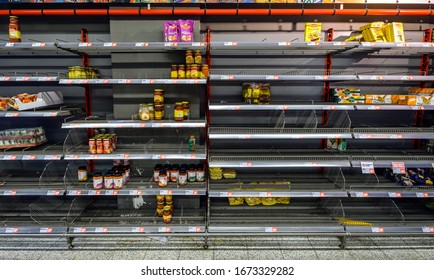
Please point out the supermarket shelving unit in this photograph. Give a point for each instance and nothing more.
(282, 155)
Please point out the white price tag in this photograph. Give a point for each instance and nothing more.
(367, 167)
(226, 77)
(406, 78)
(230, 43)
(110, 44)
(29, 157)
(422, 195)
(53, 193)
(10, 157)
(329, 107)
(362, 194)
(122, 81)
(395, 194)
(138, 229)
(10, 45)
(109, 192)
(246, 164)
(42, 79)
(375, 77)
(283, 43)
(377, 230)
(318, 194)
(133, 192)
(321, 78)
(170, 44)
(272, 77)
(191, 192)
(265, 194)
(11, 230)
(163, 229)
(196, 44)
(85, 44)
(12, 192)
(141, 44)
(101, 229)
(398, 167)
(49, 114)
(38, 44)
(79, 230)
(312, 43)
(193, 229)
(45, 230)
(428, 229)
(271, 229)
(225, 194)
(166, 192)
(12, 115)
(374, 107)
(93, 192)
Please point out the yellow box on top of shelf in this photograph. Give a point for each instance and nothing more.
(312, 32)
(394, 32)
(373, 35)
(375, 24)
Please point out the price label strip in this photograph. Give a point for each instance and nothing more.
(367, 167)
(398, 167)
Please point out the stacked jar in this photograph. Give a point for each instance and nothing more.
(192, 69)
(158, 104)
(116, 178)
(102, 144)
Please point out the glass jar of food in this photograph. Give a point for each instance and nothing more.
(108, 181)
(178, 113)
(186, 109)
(181, 72)
(198, 57)
(160, 199)
(118, 180)
(14, 29)
(167, 215)
(82, 174)
(158, 97)
(144, 112)
(192, 143)
(162, 179)
(191, 173)
(99, 145)
(174, 173)
(174, 72)
(188, 72)
(205, 70)
(168, 199)
(189, 59)
(183, 177)
(97, 181)
(170, 205)
(194, 72)
(200, 173)
(160, 209)
(264, 94)
(151, 111)
(159, 112)
(92, 146)
(107, 145)
(157, 169)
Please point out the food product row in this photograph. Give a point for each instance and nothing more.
(155, 111)
(256, 93)
(103, 144)
(253, 201)
(165, 208)
(415, 96)
(22, 137)
(26, 101)
(411, 177)
(379, 32)
(80, 72)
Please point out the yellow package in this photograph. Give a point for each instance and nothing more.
(312, 32)
(268, 201)
(411, 100)
(375, 24)
(235, 201)
(355, 38)
(424, 100)
(378, 99)
(373, 35)
(394, 32)
(423, 91)
(282, 200)
(399, 99)
(252, 201)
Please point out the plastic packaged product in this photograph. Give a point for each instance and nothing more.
(235, 201)
(82, 174)
(252, 201)
(4, 103)
(186, 29)
(282, 200)
(268, 201)
(97, 181)
(144, 112)
(171, 33)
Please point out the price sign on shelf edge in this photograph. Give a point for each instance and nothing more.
(367, 167)
(398, 167)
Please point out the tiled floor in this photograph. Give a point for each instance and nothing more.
(240, 248)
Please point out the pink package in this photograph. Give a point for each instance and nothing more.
(170, 29)
(186, 28)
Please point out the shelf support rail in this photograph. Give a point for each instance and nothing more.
(399, 211)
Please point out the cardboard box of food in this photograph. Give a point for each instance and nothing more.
(378, 99)
(424, 100)
(394, 32)
(347, 95)
(375, 24)
(312, 32)
(421, 91)
(26, 101)
(399, 99)
(337, 144)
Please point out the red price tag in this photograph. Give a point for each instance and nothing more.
(398, 167)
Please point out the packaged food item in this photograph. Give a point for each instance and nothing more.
(97, 181)
(14, 29)
(424, 100)
(178, 112)
(4, 101)
(417, 91)
(160, 198)
(186, 109)
(375, 24)
(171, 33)
(186, 29)
(355, 38)
(312, 32)
(144, 112)
(22, 137)
(411, 99)
(337, 144)
(229, 174)
(192, 143)
(158, 96)
(174, 72)
(189, 58)
(399, 99)
(347, 95)
(118, 180)
(200, 173)
(373, 32)
(205, 71)
(183, 177)
(378, 99)
(268, 201)
(265, 94)
(194, 71)
(168, 199)
(282, 200)
(252, 201)
(82, 174)
(394, 32)
(235, 201)
(191, 173)
(188, 72)
(215, 173)
(109, 181)
(160, 209)
(198, 57)
(181, 72)
(167, 215)
(174, 173)
(162, 179)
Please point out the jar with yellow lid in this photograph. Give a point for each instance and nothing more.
(194, 71)
(198, 57)
(205, 70)
(188, 72)
(144, 112)
(159, 112)
(186, 109)
(158, 97)
(181, 72)
(189, 59)
(167, 215)
(174, 72)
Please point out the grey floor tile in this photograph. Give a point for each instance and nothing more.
(275, 254)
(231, 255)
(332, 254)
(374, 254)
(162, 255)
(17, 255)
(426, 254)
(299, 255)
(196, 255)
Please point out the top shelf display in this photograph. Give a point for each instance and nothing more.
(308, 48)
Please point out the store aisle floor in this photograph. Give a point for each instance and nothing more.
(272, 248)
